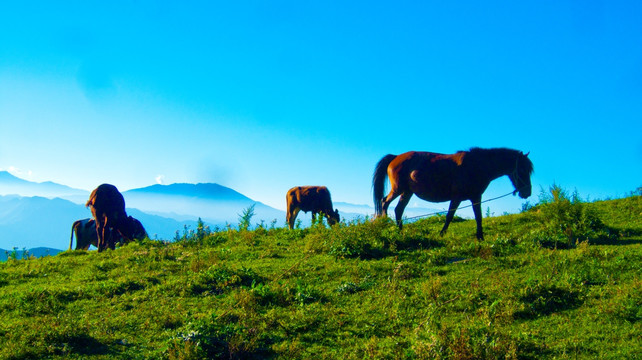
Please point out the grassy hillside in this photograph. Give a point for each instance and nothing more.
(535, 288)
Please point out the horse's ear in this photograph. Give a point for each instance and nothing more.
(527, 154)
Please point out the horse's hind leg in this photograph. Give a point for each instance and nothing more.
(401, 206)
(392, 195)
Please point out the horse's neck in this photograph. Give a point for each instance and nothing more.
(497, 169)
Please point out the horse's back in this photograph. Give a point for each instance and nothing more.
(431, 176)
(309, 198)
(426, 163)
(426, 157)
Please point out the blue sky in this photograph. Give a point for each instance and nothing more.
(261, 96)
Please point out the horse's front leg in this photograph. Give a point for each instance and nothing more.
(112, 238)
(478, 217)
(291, 216)
(108, 233)
(100, 227)
(454, 204)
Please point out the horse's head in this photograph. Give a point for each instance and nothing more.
(333, 217)
(521, 176)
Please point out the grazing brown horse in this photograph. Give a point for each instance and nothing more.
(434, 177)
(310, 198)
(108, 208)
(86, 233)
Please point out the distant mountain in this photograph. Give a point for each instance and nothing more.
(20, 253)
(30, 222)
(361, 210)
(213, 203)
(11, 185)
(368, 210)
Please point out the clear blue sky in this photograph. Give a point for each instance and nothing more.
(264, 95)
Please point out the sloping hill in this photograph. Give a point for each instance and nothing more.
(360, 291)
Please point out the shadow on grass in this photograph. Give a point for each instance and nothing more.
(610, 236)
(85, 345)
(66, 345)
(543, 301)
(414, 243)
(626, 236)
(408, 244)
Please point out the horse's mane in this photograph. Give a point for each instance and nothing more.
(507, 153)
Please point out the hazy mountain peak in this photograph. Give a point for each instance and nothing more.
(201, 190)
(6, 176)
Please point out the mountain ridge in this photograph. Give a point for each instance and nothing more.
(13, 185)
(41, 214)
(37, 252)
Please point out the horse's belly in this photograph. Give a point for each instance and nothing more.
(433, 197)
(432, 188)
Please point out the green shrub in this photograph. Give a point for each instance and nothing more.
(567, 220)
(218, 278)
(245, 218)
(217, 337)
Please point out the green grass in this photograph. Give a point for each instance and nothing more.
(533, 289)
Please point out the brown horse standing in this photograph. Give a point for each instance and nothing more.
(434, 177)
(108, 208)
(310, 198)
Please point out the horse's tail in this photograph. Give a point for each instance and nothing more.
(71, 239)
(379, 182)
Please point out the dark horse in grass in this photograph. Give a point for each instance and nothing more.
(434, 177)
(86, 233)
(108, 208)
